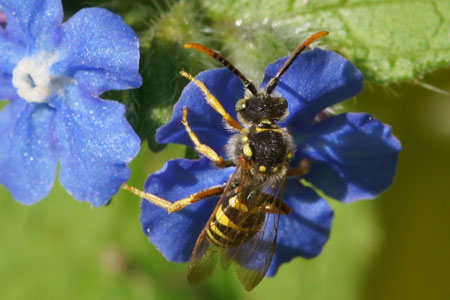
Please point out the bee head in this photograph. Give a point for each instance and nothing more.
(255, 109)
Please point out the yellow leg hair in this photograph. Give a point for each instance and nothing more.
(179, 204)
(213, 102)
(202, 148)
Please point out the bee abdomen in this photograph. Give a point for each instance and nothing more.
(234, 225)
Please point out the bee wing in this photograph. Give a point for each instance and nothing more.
(253, 258)
(203, 261)
(204, 256)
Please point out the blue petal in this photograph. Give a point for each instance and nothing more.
(27, 156)
(203, 119)
(11, 52)
(316, 80)
(354, 156)
(306, 229)
(35, 22)
(96, 143)
(175, 234)
(7, 90)
(100, 51)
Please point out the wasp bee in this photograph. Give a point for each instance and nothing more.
(243, 227)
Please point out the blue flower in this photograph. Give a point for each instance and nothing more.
(353, 156)
(53, 74)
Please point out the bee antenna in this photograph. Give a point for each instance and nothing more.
(248, 85)
(274, 81)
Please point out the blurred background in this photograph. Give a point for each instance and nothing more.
(394, 247)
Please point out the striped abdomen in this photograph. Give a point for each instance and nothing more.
(234, 225)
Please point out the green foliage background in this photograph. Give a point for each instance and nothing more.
(395, 247)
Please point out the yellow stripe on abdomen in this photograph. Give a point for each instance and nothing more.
(235, 203)
(222, 218)
(217, 231)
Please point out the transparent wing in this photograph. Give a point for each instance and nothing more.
(203, 261)
(253, 257)
(205, 254)
(248, 235)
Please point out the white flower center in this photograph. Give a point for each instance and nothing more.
(32, 77)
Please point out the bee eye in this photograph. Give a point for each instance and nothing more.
(283, 103)
(241, 104)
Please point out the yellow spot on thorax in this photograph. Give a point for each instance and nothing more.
(247, 150)
(290, 155)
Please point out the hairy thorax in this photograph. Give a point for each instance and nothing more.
(267, 148)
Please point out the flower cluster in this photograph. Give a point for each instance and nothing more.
(53, 74)
(353, 156)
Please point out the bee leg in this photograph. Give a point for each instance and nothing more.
(202, 148)
(215, 104)
(178, 205)
(182, 203)
(278, 207)
(301, 170)
(150, 197)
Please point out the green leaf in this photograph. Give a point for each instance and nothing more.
(163, 28)
(390, 41)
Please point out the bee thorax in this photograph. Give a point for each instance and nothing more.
(268, 149)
